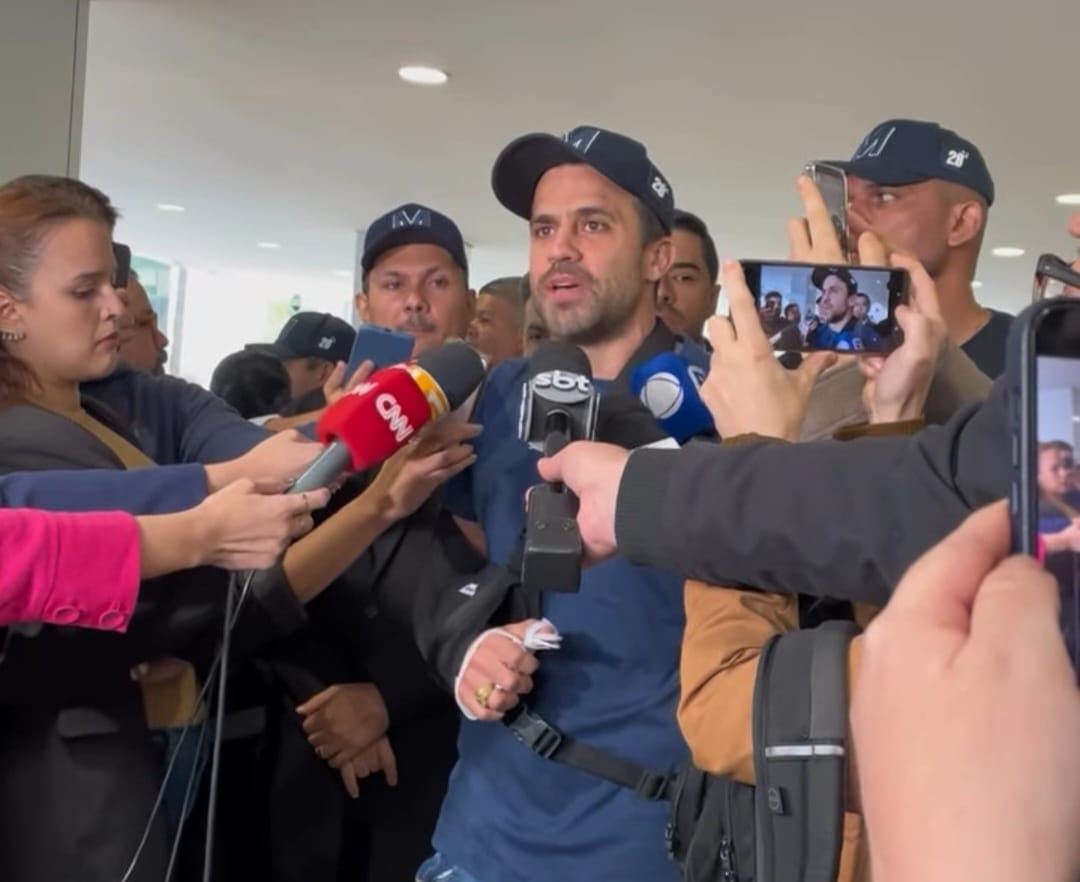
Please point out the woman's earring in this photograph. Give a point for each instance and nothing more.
(12, 336)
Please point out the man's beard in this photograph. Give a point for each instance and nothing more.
(607, 309)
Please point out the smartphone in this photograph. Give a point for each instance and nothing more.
(122, 255)
(383, 346)
(1044, 371)
(832, 182)
(806, 307)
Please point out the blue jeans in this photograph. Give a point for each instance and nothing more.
(438, 869)
(191, 762)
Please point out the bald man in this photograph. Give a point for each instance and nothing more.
(927, 191)
(142, 344)
(496, 326)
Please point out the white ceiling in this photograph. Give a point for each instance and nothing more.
(284, 120)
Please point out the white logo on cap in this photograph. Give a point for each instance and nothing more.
(660, 187)
(419, 218)
(581, 142)
(873, 145)
(957, 158)
(327, 342)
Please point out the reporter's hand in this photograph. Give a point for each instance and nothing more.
(409, 477)
(276, 462)
(747, 389)
(593, 472)
(377, 758)
(897, 384)
(335, 386)
(243, 529)
(498, 671)
(344, 720)
(966, 718)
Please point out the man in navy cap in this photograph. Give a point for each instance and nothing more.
(600, 216)
(310, 345)
(927, 191)
(416, 276)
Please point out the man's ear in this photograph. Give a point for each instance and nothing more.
(363, 309)
(659, 256)
(966, 222)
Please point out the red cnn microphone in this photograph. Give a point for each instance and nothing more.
(376, 419)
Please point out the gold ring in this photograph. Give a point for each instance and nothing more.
(482, 694)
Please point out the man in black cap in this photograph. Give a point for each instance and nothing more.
(837, 326)
(416, 276)
(927, 191)
(310, 346)
(600, 216)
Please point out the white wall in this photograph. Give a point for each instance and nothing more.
(42, 71)
(226, 309)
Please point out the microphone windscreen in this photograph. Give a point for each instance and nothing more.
(378, 418)
(666, 385)
(558, 356)
(456, 368)
(625, 421)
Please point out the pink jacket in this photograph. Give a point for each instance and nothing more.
(68, 569)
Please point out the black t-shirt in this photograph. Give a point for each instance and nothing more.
(987, 347)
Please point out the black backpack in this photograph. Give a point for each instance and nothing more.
(787, 828)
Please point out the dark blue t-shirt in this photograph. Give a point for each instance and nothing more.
(854, 336)
(509, 815)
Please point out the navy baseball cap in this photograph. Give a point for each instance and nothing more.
(821, 273)
(312, 335)
(413, 224)
(908, 151)
(618, 158)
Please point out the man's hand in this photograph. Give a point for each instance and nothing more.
(242, 529)
(966, 718)
(496, 673)
(897, 385)
(812, 238)
(411, 475)
(275, 463)
(335, 386)
(747, 389)
(343, 721)
(377, 758)
(593, 472)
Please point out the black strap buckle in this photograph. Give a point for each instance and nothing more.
(653, 786)
(536, 734)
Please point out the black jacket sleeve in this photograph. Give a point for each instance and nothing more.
(826, 518)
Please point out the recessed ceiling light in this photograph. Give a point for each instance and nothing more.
(170, 206)
(269, 246)
(1008, 251)
(422, 75)
(976, 284)
(1068, 199)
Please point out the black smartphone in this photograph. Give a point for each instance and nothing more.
(122, 255)
(806, 307)
(1044, 369)
(832, 183)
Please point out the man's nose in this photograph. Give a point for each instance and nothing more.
(415, 301)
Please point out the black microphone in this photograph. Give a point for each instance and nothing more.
(558, 405)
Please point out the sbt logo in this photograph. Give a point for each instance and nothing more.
(389, 409)
(565, 386)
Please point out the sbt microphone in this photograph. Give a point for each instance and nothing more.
(558, 406)
(376, 419)
(667, 385)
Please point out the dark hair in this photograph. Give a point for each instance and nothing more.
(691, 223)
(254, 383)
(864, 296)
(507, 289)
(651, 228)
(29, 208)
(775, 294)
